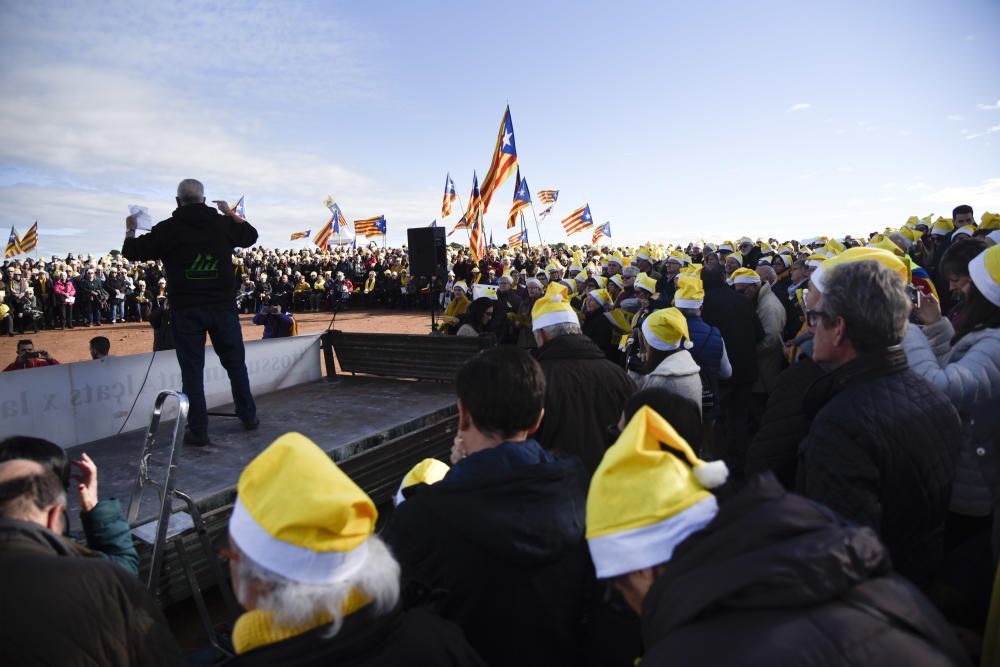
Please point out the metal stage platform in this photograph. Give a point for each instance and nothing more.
(375, 428)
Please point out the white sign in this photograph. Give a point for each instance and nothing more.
(71, 404)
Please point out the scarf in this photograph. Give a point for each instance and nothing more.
(257, 628)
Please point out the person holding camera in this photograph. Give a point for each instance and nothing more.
(276, 323)
(27, 357)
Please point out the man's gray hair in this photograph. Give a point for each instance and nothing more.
(556, 330)
(871, 299)
(190, 191)
(295, 604)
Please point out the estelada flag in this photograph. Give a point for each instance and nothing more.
(603, 230)
(504, 160)
(13, 244)
(519, 239)
(30, 239)
(548, 196)
(370, 226)
(578, 220)
(300, 235)
(322, 237)
(522, 199)
(449, 196)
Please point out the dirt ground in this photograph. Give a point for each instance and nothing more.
(68, 346)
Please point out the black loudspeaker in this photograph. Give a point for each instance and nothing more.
(428, 252)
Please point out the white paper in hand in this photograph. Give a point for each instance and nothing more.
(141, 216)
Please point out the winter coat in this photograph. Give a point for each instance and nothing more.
(598, 328)
(62, 608)
(108, 535)
(502, 538)
(784, 424)
(584, 393)
(415, 637)
(678, 374)
(969, 374)
(771, 350)
(737, 321)
(881, 451)
(63, 289)
(196, 246)
(777, 580)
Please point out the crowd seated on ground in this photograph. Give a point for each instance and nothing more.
(742, 453)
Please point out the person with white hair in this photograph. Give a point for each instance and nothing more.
(318, 587)
(196, 245)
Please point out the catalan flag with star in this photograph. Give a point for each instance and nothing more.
(300, 235)
(339, 222)
(13, 244)
(324, 235)
(475, 204)
(504, 160)
(239, 209)
(518, 240)
(548, 196)
(578, 220)
(30, 239)
(370, 226)
(449, 196)
(522, 199)
(603, 230)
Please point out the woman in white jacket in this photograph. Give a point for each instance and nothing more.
(965, 365)
(665, 343)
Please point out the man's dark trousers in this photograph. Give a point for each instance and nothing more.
(222, 324)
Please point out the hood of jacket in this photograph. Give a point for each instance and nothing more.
(17, 535)
(195, 215)
(680, 363)
(515, 501)
(765, 549)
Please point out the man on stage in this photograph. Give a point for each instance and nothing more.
(196, 245)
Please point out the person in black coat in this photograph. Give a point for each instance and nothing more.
(736, 319)
(775, 579)
(501, 536)
(584, 394)
(883, 443)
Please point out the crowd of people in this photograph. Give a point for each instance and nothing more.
(751, 452)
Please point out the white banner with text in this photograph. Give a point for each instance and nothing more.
(71, 404)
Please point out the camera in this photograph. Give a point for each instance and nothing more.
(34, 355)
(914, 295)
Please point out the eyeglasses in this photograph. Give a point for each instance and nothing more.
(812, 316)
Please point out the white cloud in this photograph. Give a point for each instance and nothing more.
(980, 197)
(989, 107)
(799, 106)
(987, 131)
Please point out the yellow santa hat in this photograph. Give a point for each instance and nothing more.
(726, 245)
(617, 259)
(943, 227)
(298, 515)
(910, 234)
(816, 259)
(744, 277)
(645, 283)
(990, 221)
(462, 285)
(690, 292)
(649, 494)
(601, 296)
(867, 254)
(644, 253)
(984, 269)
(617, 281)
(619, 320)
(735, 256)
(553, 308)
(666, 329)
(967, 230)
(428, 471)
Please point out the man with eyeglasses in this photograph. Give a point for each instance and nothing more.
(883, 442)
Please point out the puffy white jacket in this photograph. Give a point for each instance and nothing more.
(968, 373)
(678, 374)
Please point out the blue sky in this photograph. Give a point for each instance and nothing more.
(675, 121)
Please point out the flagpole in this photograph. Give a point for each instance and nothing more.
(537, 228)
(462, 206)
(524, 229)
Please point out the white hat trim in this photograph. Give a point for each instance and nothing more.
(985, 283)
(962, 231)
(658, 343)
(553, 318)
(631, 550)
(595, 295)
(814, 263)
(290, 560)
(688, 303)
(937, 231)
(746, 280)
(816, 279)
(994, 236)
